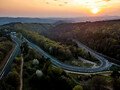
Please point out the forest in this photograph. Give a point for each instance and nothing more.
(39, 73)
(102, 36)
(59, 50)
(5, 47)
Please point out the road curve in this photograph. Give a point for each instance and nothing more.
(71, 68)
(104, 62)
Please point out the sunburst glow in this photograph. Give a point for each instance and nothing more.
(95, 10)
(93, 5)
(59, 8)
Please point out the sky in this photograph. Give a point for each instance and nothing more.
(59, 8)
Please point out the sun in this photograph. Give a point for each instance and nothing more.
(95, 10)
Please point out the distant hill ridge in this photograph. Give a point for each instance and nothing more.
(6, 20)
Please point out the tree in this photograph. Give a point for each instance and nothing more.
(115, 80)
(46, 66)
(39, 73)
(35, 62)
(98, 83)
(115, 74)
(24, 48)
(116, 84)
(13, 79)
(78, 87)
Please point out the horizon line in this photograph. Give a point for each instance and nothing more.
(58, 16)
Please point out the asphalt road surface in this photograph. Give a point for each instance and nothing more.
(104, 63)
(9, 62)
(103, 66)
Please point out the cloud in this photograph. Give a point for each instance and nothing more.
(106, 0)
(66, 2)
(100, 1)
(60, 5)
(47, 3)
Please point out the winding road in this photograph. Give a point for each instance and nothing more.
(104, 63)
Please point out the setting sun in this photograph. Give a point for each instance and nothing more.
(95, 10)
(59, 8)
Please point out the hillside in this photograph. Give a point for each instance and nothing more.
(56, 40)
(102, 36)
(5, 49)
(6, 20)
(39, 27)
